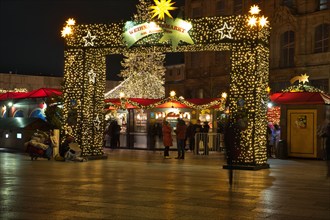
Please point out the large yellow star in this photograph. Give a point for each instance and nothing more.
(161, 8)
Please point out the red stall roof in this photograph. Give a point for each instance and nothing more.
(38, 93)
(302, 98)
(12, 95)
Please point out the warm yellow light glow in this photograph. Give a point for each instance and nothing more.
(254, 10)
(161, 8)
(224, 95)
(172, 93)
(66, 31)
(252, 21)
(121, 95)
(263, 21)
(268, 89)
(70, 22)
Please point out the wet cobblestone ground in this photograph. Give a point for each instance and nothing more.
(136, 184)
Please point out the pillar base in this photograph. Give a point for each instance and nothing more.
(245, 167)
(98, 157)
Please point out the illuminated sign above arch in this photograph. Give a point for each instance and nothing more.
(174, 30)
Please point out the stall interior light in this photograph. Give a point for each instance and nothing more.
(269, 104)
(7, 135)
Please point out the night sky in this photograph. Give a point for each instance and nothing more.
(30, 38)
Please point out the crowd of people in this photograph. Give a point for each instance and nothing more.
(184, 134)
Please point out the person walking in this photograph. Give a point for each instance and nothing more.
(181, 129)
(270, 143)
(167, 138)
(190, 136)
(198, 130)
(114, 132)
(205, 131)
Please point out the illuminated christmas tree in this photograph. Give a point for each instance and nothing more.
(143, 72)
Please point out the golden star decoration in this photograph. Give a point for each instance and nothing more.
(161, 8)
(304, 78)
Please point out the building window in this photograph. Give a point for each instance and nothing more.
(287, 49)
(322, 38)
(322, 84)
(197, 12)
(238, 7)
(288, 3)
(324, 4)
(200, 93)
(195, 59)
(256, 2)
(220, 7)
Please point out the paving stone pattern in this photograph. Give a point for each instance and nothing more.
(138, 184)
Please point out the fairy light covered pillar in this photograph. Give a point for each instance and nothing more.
(248, 95)
(83, 89)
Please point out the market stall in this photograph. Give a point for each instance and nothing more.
(144, 117)
(301, 111)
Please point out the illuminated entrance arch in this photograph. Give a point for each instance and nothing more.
(85, 75)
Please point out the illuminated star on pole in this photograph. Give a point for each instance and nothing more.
(97, 122)
(161, 8)
(226, 31)
(92, 76)
(89, 39)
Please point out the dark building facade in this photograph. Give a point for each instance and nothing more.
(299, 44)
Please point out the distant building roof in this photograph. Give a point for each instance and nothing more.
(24, 123)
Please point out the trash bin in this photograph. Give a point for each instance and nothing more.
(282, 150)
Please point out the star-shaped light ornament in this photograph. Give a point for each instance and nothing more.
(176, 31)
(161, 8)
(303, 78)
(70, 22)
(254, 10)
(97, 122)
(92, 76)
(226, 31)
(67, 30)
(89, 39)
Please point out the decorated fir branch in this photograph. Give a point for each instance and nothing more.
(301, 87)
(219, 102)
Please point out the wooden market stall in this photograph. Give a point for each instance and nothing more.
(301, 111)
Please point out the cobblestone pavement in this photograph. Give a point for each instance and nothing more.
(136, 184)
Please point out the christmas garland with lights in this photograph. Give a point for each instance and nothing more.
(218, 102)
